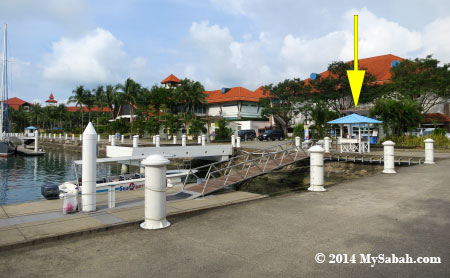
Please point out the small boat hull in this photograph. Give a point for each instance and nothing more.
(7, 148)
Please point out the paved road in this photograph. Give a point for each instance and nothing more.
(405, 213)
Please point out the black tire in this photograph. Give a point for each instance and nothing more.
(273, 139)
(261, 139)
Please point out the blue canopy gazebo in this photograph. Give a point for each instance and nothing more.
(353, 144)
(30, 130)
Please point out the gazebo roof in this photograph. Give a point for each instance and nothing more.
(31, 127)
(355, 119)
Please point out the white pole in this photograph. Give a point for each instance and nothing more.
(238, 142)
(36, 139)
(174, 139)
(183, 140)
(89, 169)
(98, 138)
(155, 192)
(316, 169)
(60, 135)
(81, 137)
(199, 139)
(297, 141)
(429, 151)
(203, 140)
(327, 144)
(65, 136)
(154, 139)
(109, 138)
(113, 140)
(122, 138)
(54, 135)
(73, 136)
(389, 157)
(233, 141)
(158, 141)
(135, 141)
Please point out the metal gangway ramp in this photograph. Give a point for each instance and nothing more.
(239, 168)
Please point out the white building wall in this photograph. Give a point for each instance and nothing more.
(230, 109)
(213, 110)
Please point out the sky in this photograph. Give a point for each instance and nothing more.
(56, 45)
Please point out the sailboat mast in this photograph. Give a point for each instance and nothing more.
(3, 85)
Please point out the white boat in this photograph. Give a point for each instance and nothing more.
(119, 183)
(7, 147)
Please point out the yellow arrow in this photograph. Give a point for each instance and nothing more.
(355, 76)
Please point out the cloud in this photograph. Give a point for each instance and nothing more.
(96, 58)
(436, 39)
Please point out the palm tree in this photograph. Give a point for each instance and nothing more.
(190, 94)
(99, 99)
(35, 113)
(79, 99)
(130, 89)
(61, 112)
(110, 98)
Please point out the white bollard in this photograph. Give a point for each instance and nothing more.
(113, 140)
(155, 192)
(89, 169)
(73, 136)
(135, 141)
(199, 139)
(183, 140)
(65, 136)
(81, 137)
(389, 157)
(203, 140)
(122, 138)
(158, 141)
(98, 138)
(233, 141)
(60, 135)
(174, 139)
(327, 144)
(54, 135)
(154, 139)
(109, 138)
(238, 142)
(36, 140)
(297, 141)
(316, 169)
(429, 151)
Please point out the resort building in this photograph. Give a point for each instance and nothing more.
(171, 82)
(15, 103)
(51, 101)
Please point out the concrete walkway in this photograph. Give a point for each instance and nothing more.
(404, 213)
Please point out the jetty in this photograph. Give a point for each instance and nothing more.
(22, 150)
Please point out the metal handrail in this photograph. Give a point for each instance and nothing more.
(249, 162)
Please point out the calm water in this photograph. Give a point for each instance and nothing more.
(21, 177)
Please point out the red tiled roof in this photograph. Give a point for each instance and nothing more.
(234, 94)
(171, 78)
(16, 102)
(441, 118)
(378, 66)
(51, 96)
(51, 99)
(85, 109)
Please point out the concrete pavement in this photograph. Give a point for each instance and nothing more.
(404, 213)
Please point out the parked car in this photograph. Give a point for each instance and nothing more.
(272, 135)
(247, 134)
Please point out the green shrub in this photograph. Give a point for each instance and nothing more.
(440, 141)
(439, 131)
(299, 130)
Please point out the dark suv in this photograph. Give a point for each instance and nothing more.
(247, 134)
(272, 135)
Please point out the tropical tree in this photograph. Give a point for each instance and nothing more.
(62, 114)
(197, 127)
(79, 99)
(421, 80)
(398, 116)
(129, 90)
(321, 115)
(190, 95)
(111, 99)
(222, 131)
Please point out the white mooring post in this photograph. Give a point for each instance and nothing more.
(238, 142)
(65, 136)
(183, 140)
(316, 169)
(155, 192)
(158, 141)
(174, 139)
(54, 135)
(154, 139)
(135, 141)
(233, 141)
(429, 151)
(327, 144)
(98, 138)
(297, 141)
(81, 137)
(203, 140)
(389, 157)
(113, 140)
(89, 169)
(109, 138)
(199, 139)
(36, 140)
(73, 137)
(122, 138)
(60, 136)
